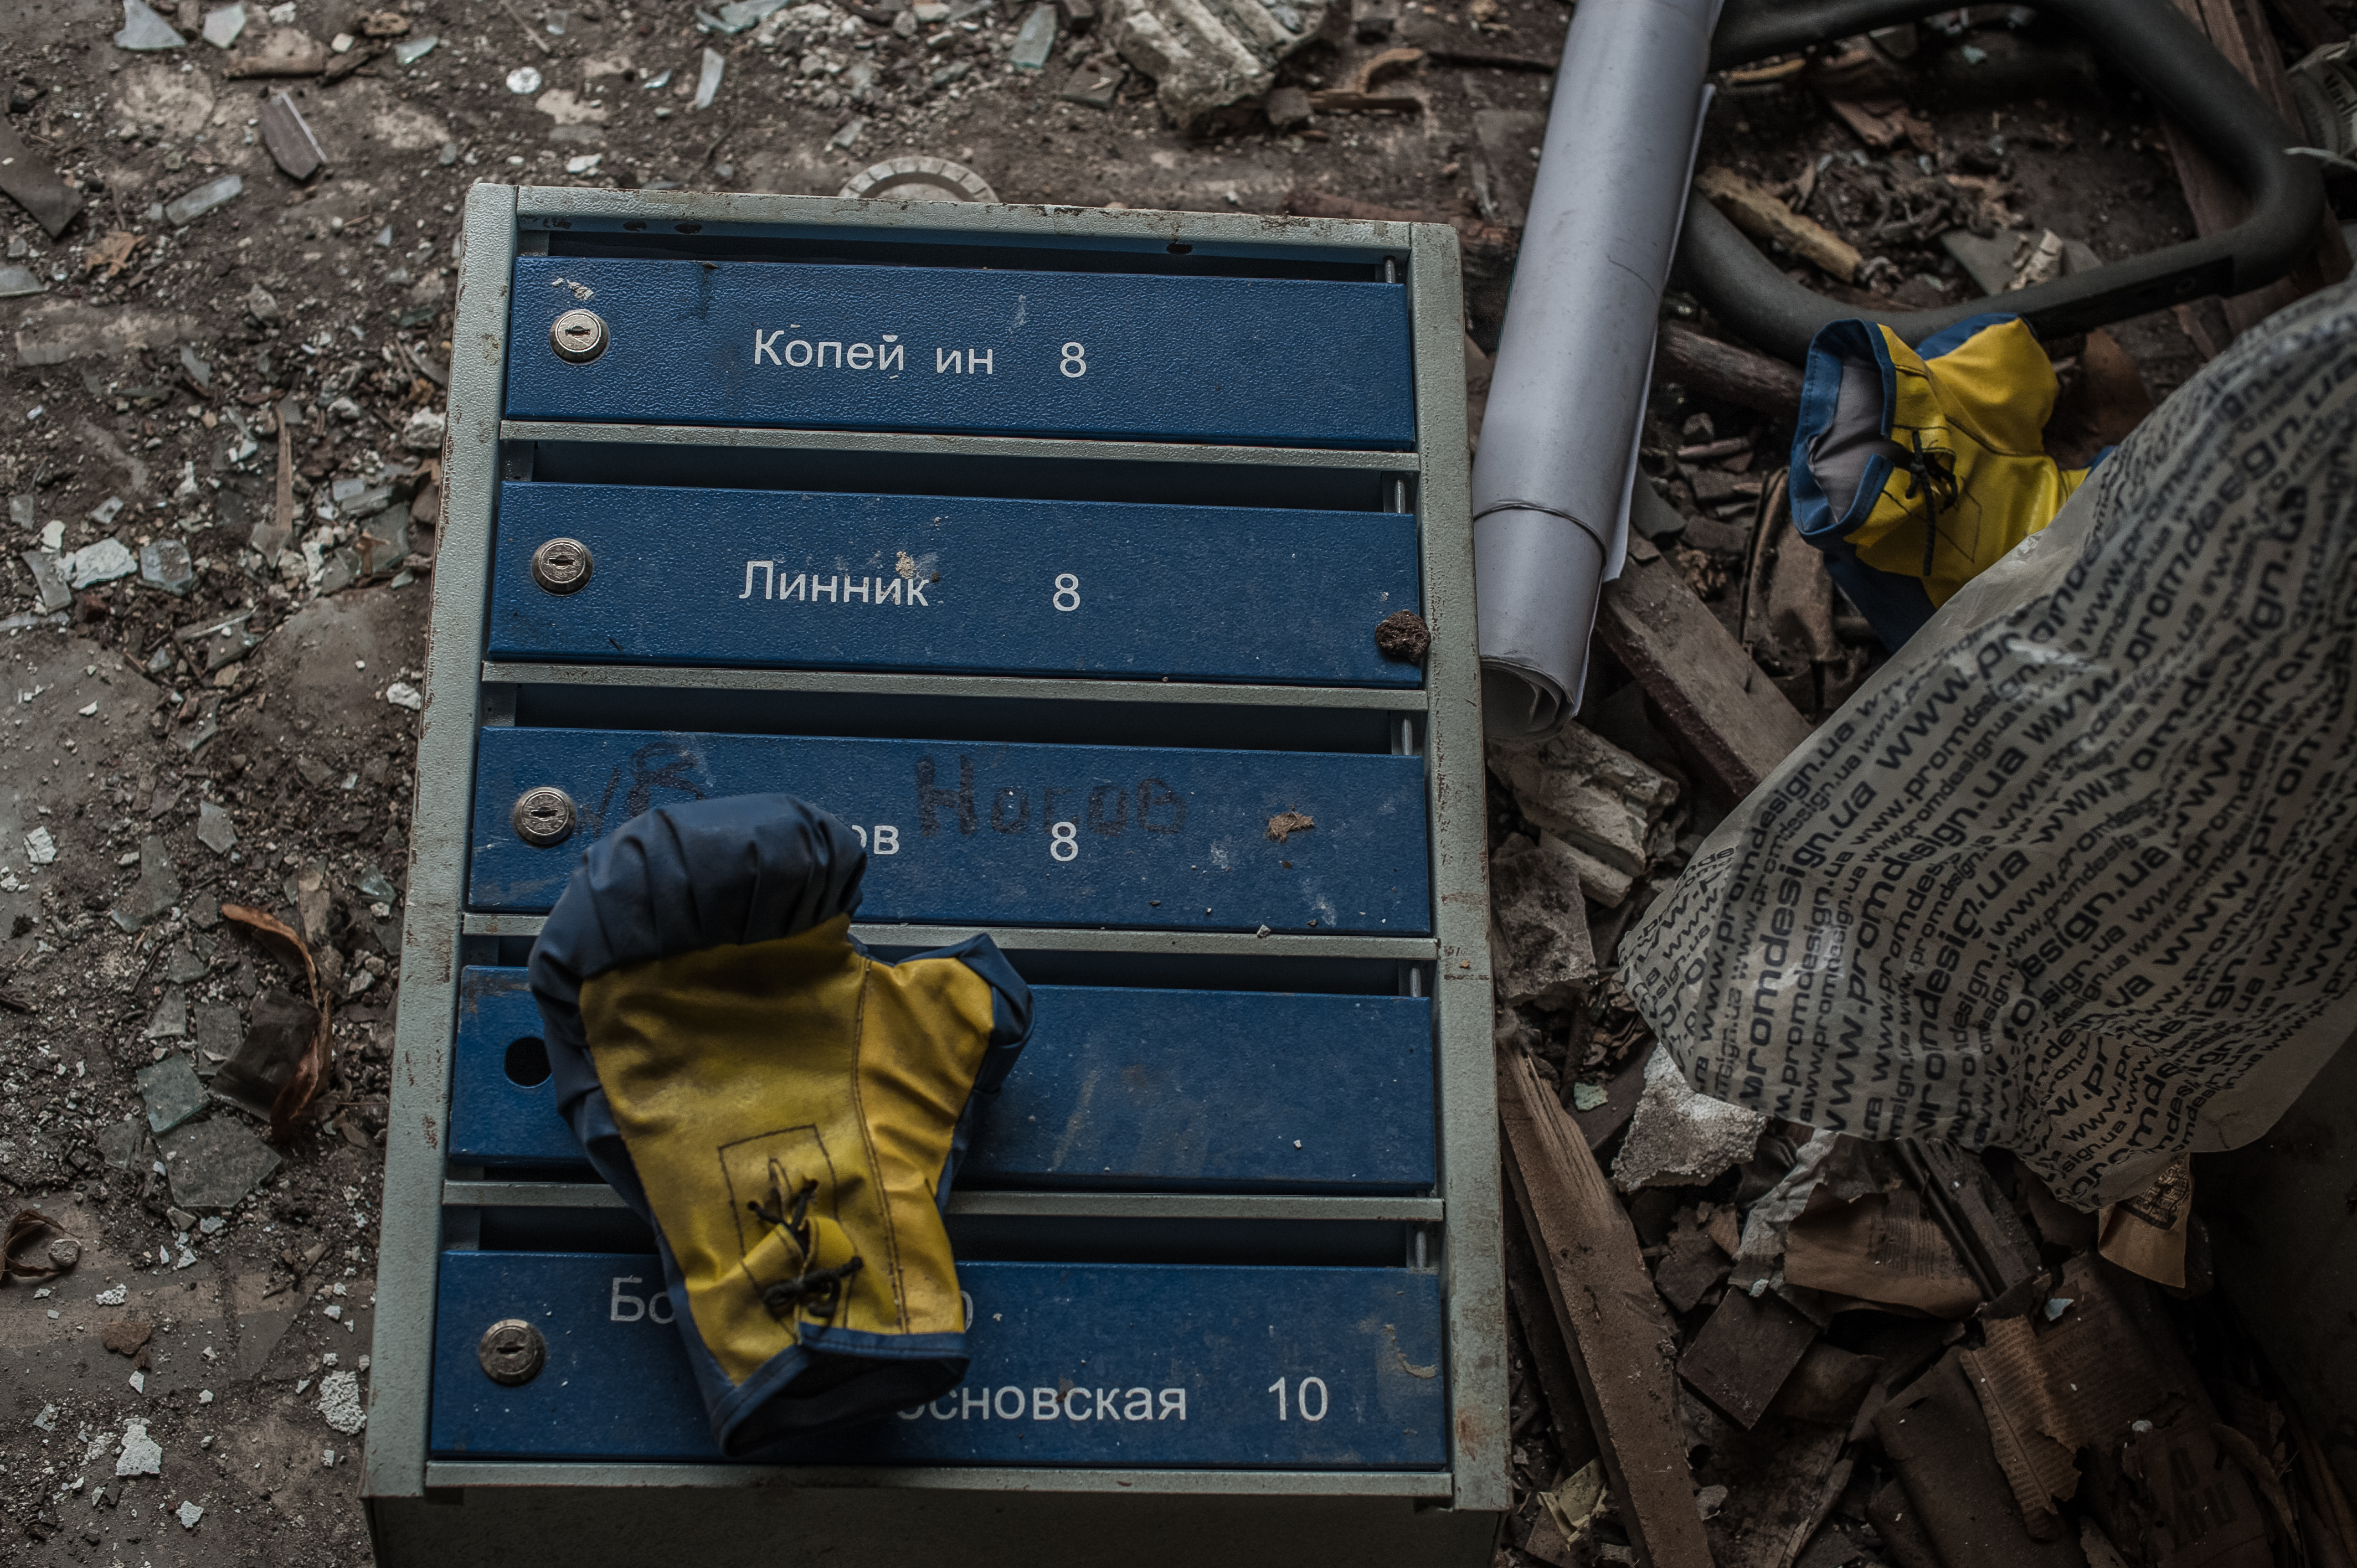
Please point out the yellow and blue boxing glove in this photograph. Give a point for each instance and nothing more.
(787, 1111)
(1915, 469)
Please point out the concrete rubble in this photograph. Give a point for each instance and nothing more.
(1600, 803)
(1681, 1138)
(1540, 950)
(1205, 55)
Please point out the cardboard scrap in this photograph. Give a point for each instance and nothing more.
(1882, 1248)
(2049, 1388)
(2181, 1503)
(1937, 1439)
(2101, 1553)
(1544, 1539)
(2099, 405)
(2147, 1234)
(1828, 1386)
(1903, 1349)
(1724, 1225)
(2105, 1384)
(1740, 1360)
(1892, 1514)
(1692, 1267)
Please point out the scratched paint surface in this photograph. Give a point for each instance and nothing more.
(1099, 835)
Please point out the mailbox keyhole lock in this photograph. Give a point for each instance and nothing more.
(512, 1352)
(578, 335)
(544, 816)
(562, 566)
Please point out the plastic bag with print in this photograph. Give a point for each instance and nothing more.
(2075, 873)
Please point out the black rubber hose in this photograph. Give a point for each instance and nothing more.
(2155, 47)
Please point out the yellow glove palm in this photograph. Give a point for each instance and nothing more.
(784, 1109)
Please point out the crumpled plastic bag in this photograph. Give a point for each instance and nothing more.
(2075, 873)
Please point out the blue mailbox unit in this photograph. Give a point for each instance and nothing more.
(1048, 549)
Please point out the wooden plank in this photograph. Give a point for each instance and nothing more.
(2310, 23)
(2264, 69)
(2215, 201)
(1991, 1240)
(1551, 1363)
(1745, 1352)
(1763, 217)
(1938, 1440)
(1723, 371)
(1727, 715)
(1892, 1514)
(1623, 1344)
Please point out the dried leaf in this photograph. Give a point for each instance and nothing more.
(1389, 63)
(310, 1075)
(112, 250)
(23, 1225)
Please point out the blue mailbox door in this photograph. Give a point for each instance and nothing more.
(1130, 836)
(886, 582)
(1267, 360)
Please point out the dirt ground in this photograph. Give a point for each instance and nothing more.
(179, 758)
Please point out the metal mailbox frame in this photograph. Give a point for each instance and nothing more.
(454, 1512)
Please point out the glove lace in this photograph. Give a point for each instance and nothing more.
(820, 1287)
(1928, 477)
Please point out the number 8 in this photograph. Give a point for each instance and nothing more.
(1068, 586)
(1075, 361)
(1064, 841)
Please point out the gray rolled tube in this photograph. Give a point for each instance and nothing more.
(1550, 482)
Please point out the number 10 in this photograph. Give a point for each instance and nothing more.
(1300, 1397)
